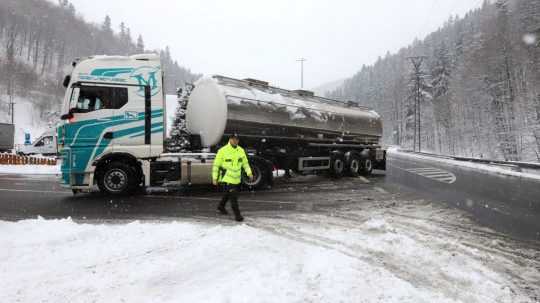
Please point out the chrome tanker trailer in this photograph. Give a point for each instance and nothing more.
(283, 129)
(113, 129)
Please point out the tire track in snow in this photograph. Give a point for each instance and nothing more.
(452, 289)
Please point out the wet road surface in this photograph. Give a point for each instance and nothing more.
(506, 203)
(24, 197)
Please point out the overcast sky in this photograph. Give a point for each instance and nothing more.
(263, 39)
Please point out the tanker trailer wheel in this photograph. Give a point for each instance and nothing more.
(117, 178)
(354, 166)
(367, 167)
(260, 175)
(337, 165)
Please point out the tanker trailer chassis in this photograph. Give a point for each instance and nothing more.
(309, 157)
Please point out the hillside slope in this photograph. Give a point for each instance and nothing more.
(480, 85)
(38, 42)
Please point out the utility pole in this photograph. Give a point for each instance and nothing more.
(12, 106)
(301, 60)
(417, 65)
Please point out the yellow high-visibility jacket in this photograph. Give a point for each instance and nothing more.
(229, 163)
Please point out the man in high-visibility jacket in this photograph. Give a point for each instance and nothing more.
(230, 160)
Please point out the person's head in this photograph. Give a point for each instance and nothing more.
(234, 139)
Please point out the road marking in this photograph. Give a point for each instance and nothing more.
(34, 191)
(26, 179)
(434, 173)
(363, 179)
(381, 190)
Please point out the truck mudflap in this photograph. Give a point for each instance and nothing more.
(380, 159)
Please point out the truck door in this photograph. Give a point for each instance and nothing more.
(91, 130)
(130, 136)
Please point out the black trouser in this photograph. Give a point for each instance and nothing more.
(230, 194)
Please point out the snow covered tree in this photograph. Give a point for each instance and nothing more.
(107, 25)
(178, 140)
(140, 45)
(441, 81)
(485, 74)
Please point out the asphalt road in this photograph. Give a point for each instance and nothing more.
(508, 204)
(24, 197)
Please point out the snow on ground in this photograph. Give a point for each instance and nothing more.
(30, 169)
(299, 258)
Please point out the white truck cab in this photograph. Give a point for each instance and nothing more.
(113, 123)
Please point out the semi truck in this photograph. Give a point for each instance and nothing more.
(113, 130)
(7, 137)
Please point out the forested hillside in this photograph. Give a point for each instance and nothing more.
(39, 39)
(479, 82)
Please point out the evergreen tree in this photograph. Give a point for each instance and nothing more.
(107, 25)
(441, 81)
(140, 45)
(178, 140)
(486, 85)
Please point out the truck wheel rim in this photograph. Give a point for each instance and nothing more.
(115, 180)
(338, 166)
(355, 166)
(256, 171)
(367, 165)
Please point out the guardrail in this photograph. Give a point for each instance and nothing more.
(510, 164)
(12, 159)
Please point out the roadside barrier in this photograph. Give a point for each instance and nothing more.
(12, 159)
(514, 165)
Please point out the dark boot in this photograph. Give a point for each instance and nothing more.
(233, 195)
(221, 206)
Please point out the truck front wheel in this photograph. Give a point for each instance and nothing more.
(117, 178)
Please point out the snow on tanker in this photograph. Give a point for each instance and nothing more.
(113, 130)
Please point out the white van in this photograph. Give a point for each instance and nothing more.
(44, 145)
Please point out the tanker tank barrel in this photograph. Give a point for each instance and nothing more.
(254, 108)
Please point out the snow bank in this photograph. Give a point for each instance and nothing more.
(30, 169)
(61, 261)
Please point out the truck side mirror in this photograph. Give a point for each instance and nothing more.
(67, 116)
(67, 79)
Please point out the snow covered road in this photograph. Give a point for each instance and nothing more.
(382, 251)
